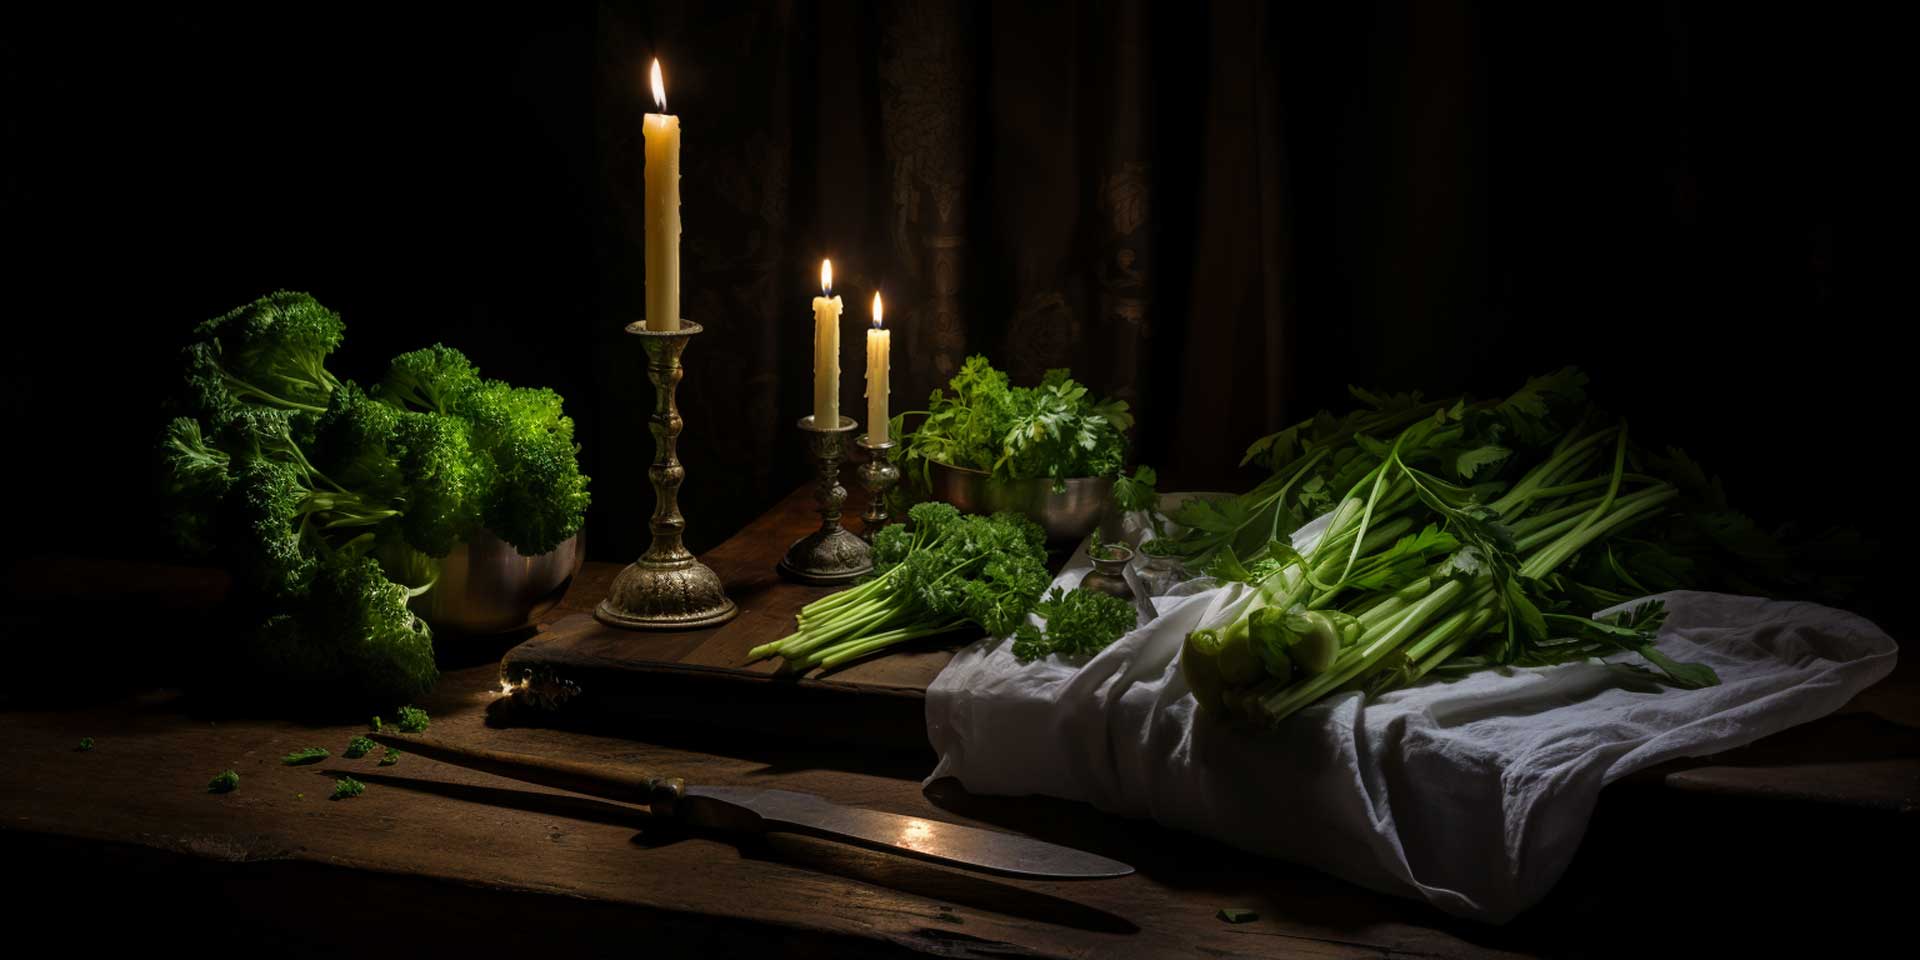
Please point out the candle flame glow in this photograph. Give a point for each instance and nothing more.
(826, 276)
(876, 309)
(659, 87)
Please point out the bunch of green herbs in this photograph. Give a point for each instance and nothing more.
(1078, 623)
(1458, 535)
(982, 422)
(331, 504)
(936, 573)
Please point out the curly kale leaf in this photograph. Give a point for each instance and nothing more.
(272, 351)
(446, 484)
(537, 496)
(350, 443)
(352, 633)
(432, 380)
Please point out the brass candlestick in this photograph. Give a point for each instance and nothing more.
(666, 589)
(831, 554)
(878, 475)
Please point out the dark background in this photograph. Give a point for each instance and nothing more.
(1224, 213)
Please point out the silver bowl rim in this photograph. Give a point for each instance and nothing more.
(1089, 478)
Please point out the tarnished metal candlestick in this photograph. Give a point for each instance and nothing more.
(666, 589)
(878, 475)
(831, 554)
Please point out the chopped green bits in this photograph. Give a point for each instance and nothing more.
(413, 720)
(304, 756)
(226, 782)
(347, 787)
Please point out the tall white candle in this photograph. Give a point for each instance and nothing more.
(662, 131)
(826, 351)
(879, 355)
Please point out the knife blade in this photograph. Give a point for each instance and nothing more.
(764, 810)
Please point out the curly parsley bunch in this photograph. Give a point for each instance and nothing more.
(330, 504)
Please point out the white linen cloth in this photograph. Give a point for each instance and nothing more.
(1471, 794)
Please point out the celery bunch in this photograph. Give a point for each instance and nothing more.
(1427, 561)
(943, 571)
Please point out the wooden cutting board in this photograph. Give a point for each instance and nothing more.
(587, 674)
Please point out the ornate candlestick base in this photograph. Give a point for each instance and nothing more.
(666, 589)
(878, 475)
(831, 554)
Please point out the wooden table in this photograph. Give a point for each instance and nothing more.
(122, 845)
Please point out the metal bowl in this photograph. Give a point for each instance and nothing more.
(1067, 515)
(487, 587)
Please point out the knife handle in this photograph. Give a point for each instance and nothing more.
(622, 783)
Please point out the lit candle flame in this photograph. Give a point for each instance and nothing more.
(876, 309)
(659, 87)
(826, 276)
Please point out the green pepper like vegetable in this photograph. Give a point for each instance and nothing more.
(1312, 641)
(1239, 662)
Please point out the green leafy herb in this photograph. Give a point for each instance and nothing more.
(359, 747)
(984, 423)
(413, 720)
(1079, 622)
(1456, 535)
(86, 744)
(374, 725)
(330, 504)
(392, 757)
(347, 787)
(305, 755)
(226, 782)
(943, 572)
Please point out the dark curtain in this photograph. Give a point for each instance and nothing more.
(1222, 212)
(1227, 212)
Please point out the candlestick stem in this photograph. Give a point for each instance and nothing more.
(831, 554)
(667, 588)
(878, 475)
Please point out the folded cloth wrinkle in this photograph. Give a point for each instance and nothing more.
(1471, 793)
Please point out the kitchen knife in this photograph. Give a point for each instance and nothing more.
(761, 810)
